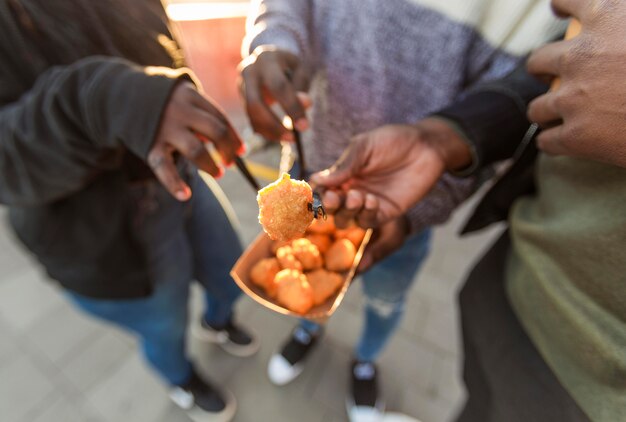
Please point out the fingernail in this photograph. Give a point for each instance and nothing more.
(241, 150)
(288, 137)
(220, 172)
(352, 199)
(302, 124)
(183, 194)
(371, 202)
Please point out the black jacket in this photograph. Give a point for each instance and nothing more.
(75, 123)
(493, 119)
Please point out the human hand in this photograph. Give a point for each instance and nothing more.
(386, 239)
(585, 115)
(388, 170)
(190, 121)
(270, 75)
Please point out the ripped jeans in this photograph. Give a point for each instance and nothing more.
(386, 286)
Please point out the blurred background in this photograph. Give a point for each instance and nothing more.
(57, 365)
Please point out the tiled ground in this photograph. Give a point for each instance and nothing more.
(58, 366)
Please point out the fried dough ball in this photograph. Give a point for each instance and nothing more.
(321, 226)
(353, 234)
(287, 259)
(324, 284)
(307, 253)
(294, 291)
(322, 241)
(263, 274)
(283, 208)
(340, 256)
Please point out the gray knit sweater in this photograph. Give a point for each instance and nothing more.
(377, 62)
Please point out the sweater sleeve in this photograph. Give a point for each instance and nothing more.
(72, 124)
(282, 23)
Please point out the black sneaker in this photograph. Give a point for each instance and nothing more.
(363, 403)
(232, 338)
(203, 402)
(285, 366)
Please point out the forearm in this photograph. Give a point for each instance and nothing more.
(281, 23)
(492, 117)
(75, 122)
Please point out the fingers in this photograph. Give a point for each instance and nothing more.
(207, 120)
(353, 206)
(342, 171)
(163, 167)
(354, 203)
(367, 217)
(196, 151)
(550, 141)
(283, 91)
(544, 110)
(262, 119)
(547, 61)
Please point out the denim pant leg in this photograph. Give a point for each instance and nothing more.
(386, 286)
(159, 320)
(216, 247)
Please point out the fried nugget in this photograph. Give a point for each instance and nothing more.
(321, 226)
(284, 208)
(324, 284)
(276, 245)
(294, 291)
(307, 253)
(263, 274)
(340, 256)
(354, 234)
(322, 241)
(287, 259)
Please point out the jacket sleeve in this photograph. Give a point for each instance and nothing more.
(74, 122)
(492, 116)
(283, 23)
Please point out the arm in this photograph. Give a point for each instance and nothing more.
(275, 50)
(77, 120)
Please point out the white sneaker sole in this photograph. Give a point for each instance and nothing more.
(281, 372)
(365, 413)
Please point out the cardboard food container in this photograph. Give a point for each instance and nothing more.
(261, 248)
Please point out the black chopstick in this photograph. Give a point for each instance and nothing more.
(243, 169)
(298, 139)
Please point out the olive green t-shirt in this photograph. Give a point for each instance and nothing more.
(566, 279)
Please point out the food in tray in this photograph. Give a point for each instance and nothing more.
(312, 266)
(284, 209)
(324, 284)
(263, 274)
(307, 253)
(294, 291)
(340, 256)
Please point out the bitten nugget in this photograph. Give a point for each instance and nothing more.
(324, 284)
(294, 291)
(322, 241)
(340, 256)
(307, 253)
(263, 274)
(321, 226)
(284, 208)
(287, 259)
(353, 234)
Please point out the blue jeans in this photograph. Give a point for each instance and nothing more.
(182, 242)
(386, 286)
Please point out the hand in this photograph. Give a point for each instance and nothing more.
(388, 170)
(189, 122)
(585, 116)
(387, 239)
(270, 75)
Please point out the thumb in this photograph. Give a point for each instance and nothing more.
(342, 171)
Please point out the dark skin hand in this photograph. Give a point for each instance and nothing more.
(388, 170)
(190, 123)
(585, 116)
(271, 76)
(386, 239)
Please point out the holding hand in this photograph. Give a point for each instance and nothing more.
(388, 170)
(268, 76)
(189, 122)
(586, 115)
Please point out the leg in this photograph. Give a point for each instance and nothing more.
(506, 378)
(216, 248)
(386, 286)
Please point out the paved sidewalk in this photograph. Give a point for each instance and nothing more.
(58, 366)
